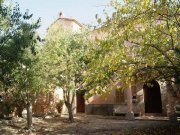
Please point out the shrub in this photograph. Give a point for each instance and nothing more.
(59, 106)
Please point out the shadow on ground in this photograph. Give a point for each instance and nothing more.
(91, 124)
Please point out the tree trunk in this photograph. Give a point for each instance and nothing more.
(70, 111)
(171, 103)
(130, 113)
(29, 115)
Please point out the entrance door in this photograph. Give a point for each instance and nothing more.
(80, 102)
(152, 97)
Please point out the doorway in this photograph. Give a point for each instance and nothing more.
(80, 101)
(152, 97)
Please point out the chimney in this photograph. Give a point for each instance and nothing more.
(61, 15)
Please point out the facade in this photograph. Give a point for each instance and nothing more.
(145, 100)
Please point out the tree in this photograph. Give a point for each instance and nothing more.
(142, 42)
(18, 59)
(15, 34)
(28, 82)
(63, 60)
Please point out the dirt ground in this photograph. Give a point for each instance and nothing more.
(91, 124)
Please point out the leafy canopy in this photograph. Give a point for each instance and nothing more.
(141, 44)
(17, 34)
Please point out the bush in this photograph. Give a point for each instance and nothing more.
(59, 106)
(7, 109)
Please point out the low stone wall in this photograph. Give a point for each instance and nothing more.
(110, 109)
(122, 109)
(99, 109)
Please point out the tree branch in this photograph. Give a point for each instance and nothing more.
(171, 36)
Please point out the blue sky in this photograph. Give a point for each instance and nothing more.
(83, 10)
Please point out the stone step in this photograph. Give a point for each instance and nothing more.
(154, 114)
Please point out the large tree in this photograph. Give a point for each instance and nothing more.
(141, 42)
(63, 60)
(28, 82)
(16, 34)
(19, 73)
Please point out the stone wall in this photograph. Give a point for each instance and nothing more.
(101, 109)
(122, 109)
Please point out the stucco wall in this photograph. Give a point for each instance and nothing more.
(101, 105)
(67, 23)
(105, 99)
(107, 105)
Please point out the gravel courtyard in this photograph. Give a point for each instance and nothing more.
(91, 124)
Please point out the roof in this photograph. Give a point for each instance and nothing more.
(66, 19)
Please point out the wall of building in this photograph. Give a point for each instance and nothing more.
(101, 105)
(116, 103)
(67, 24)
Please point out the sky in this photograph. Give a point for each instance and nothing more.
(82, 10)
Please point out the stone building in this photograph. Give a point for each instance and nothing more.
(68, 23)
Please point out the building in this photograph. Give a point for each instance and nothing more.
(138, 99)
(68, 23)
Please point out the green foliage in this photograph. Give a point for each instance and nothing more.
(7, 108)
(62, 57)
(20, 69)
(28, 77)
(141, 42)
(16, 36)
